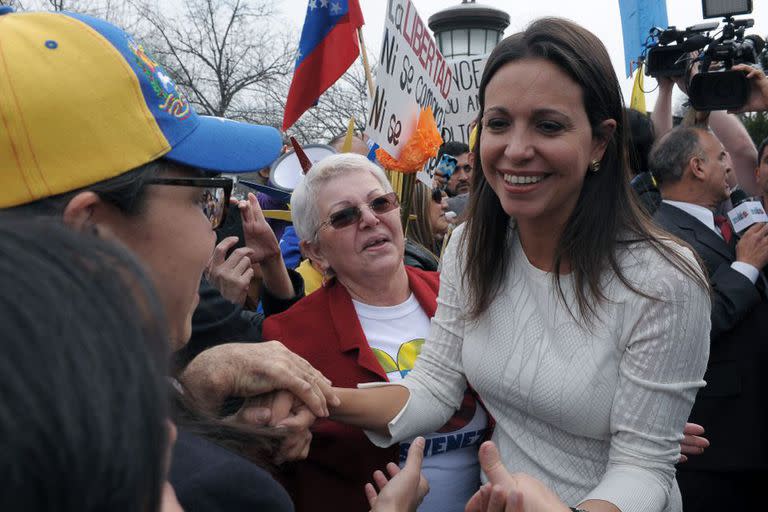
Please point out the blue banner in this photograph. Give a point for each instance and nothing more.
(637, 18)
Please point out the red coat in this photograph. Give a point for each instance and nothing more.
(324, 329)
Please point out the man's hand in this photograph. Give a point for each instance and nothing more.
(250, 369)
(282, 410)
(692, 443)
(510, 492)
(438, 180)
(406, 488)
(753, 246)
(758, 90)
(231, 275)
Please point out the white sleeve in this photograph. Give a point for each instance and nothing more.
(666, 350)
(437, 381)
(747, 270)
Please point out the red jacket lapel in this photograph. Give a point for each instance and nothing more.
(349, 332)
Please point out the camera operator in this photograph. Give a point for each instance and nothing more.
(758, 90)
(691, 166)
(727, 127)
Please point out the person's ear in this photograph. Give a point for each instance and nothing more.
(79, 212)
(696, 167)
(314, 252)
(600, 139)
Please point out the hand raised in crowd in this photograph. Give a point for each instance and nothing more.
(752, 248)
(758, 90)
(282, 410)
(247, 370)
(260, 238)
(405, 488)
(510, 492)
(438, 180)
(692, 443)
(232, 274)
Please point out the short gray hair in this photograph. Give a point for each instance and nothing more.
(304, 209)
(670, 154)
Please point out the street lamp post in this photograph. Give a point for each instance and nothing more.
(468, 29)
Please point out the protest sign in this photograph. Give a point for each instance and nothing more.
(412, 74)
(463, 103)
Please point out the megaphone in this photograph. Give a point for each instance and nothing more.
(286, 172)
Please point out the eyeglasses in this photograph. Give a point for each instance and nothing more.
(437, 195)
(350, 215)
(214, 199)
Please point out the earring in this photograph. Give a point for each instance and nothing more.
(594, 166)
(326, 277)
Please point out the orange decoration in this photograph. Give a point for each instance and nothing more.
(422, 146)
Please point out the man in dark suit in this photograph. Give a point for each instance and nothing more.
(691, 167)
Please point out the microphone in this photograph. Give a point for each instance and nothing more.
(757, 42)
(745, 212)
(696, 42)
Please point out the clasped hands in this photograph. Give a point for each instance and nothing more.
(279, 388)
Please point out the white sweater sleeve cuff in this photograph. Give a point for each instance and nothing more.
(646, 493)
(420, 415)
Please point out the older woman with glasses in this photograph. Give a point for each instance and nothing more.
(366, 324)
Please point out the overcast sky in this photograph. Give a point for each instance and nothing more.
(599, 16)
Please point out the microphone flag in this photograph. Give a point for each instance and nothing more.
(746, 211)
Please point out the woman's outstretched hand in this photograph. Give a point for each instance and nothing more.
(510, 492)
(405, 489)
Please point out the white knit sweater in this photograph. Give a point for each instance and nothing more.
(595, 414)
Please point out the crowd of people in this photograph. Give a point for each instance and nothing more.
(560, 305)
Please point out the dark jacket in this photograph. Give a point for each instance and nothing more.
(733, 406)
(217, 321)
(209, 478)
(418, 256)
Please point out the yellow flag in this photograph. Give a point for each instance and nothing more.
(347, 146)
(638, 96)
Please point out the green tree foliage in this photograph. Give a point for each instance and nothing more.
(756, 124)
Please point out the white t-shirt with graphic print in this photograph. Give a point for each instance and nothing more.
(396, 334)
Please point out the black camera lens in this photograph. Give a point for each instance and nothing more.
(719, 90)
(666, 61)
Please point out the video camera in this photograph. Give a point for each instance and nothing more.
(715, 86)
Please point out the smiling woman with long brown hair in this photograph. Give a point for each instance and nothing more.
(582, 327)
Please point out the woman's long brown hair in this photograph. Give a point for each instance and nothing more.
(606, 215)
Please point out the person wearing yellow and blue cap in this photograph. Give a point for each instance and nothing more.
(94, 130)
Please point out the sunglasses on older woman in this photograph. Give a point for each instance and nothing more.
(351, 214)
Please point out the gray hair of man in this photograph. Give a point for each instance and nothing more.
(670, 155)
(304, 208)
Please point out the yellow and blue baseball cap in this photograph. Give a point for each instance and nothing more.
(81, 101)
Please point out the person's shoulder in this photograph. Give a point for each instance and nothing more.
(207, 477)
(418, 256)
(306, 306)
(427, 277)
(664, 259)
